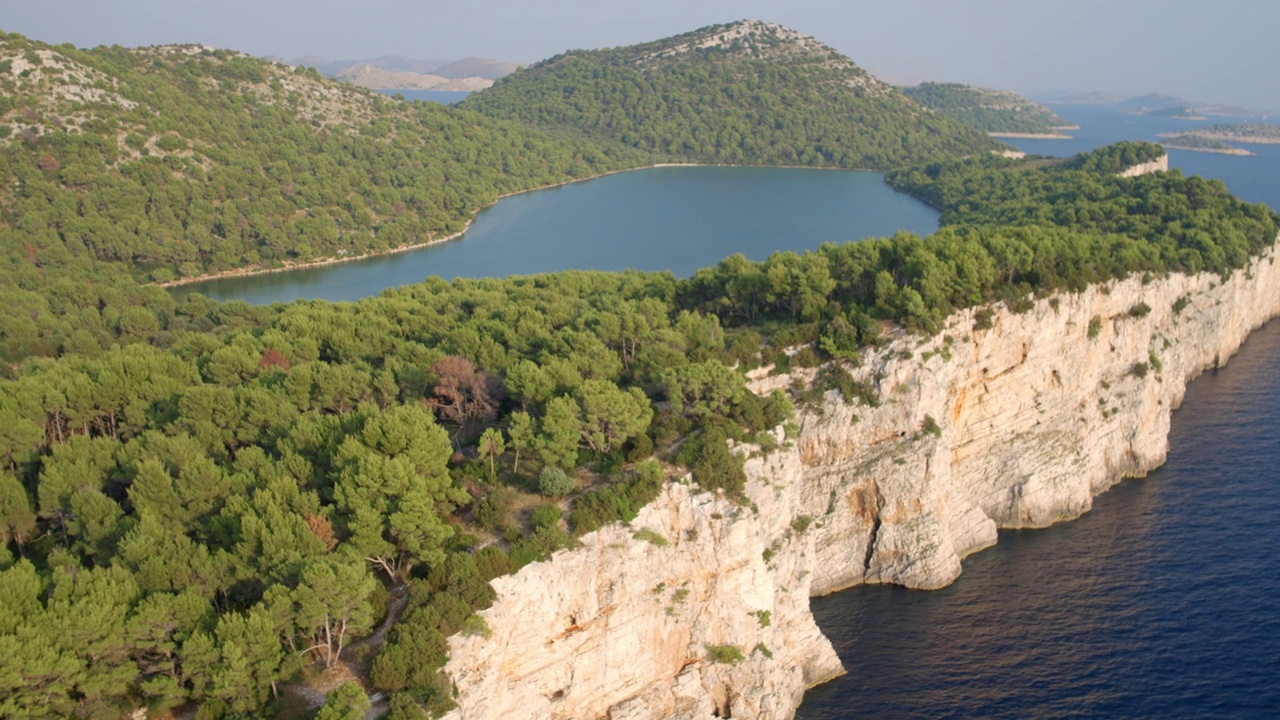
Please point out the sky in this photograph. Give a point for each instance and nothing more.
(1224, 51)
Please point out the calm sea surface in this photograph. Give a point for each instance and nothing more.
(1164, 601)
(674, 218)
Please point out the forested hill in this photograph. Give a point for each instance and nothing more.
(183, 160)
(133, 165)
(991, 111)
(748, 92)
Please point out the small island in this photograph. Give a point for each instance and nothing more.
(1260, 133)
(1177, 112)
(1199, 143)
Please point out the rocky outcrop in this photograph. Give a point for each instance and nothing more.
(1160, 164)
(699, 608)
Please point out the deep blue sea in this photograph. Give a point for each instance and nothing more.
(1163, 602)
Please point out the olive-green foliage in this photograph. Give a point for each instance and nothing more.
(345, 702)
(713, 466)
(726, 654)
(252, 164)
(617, 501)
(986, 110)
(759, 100)
(554, 482)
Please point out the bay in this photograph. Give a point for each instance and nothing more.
(676, 219)
(1163, 601)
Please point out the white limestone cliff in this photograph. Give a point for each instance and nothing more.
(1160, 164)
(1016, 425)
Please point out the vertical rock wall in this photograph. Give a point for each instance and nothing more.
(1018, 424)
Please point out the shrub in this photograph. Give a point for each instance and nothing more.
(805, 357)
(651, 537)
(1095, 327)
(491, 510)
(725, 654)
(1140, 310)
(544, 516)
(554, 482)
(930, 426)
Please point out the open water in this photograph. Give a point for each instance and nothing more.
(1163, 602)
(669, 218)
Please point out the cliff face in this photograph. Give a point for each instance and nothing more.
(1019, 424)
(1160, 164)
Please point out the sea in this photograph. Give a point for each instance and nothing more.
(1162, 602)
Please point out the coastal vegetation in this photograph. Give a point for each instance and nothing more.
(1200, 143)
(991, 111)
(746, 93)
(201, 515)
(203, 502)
(1262, 133)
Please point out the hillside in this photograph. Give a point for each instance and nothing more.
(168, 162)
(748, 92)
(991, 111)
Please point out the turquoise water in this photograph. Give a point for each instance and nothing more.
(1162, 602)
(674, 218)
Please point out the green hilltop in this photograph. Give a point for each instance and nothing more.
(748, 92)
(991, 111)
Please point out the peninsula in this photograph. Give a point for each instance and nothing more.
(999, 113)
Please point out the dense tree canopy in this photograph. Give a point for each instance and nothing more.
(746, 93)
(991, 111)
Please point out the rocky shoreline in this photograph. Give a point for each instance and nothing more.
(1012, 420)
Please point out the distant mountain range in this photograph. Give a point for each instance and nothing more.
(394, 72)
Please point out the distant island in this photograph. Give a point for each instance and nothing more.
(1200, 143)
(1178, 112)
(393, 72)
(998, 113)
(1260, 133)
(1158, 104)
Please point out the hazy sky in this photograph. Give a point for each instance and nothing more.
(1220, 51)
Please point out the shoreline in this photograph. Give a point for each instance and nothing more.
(291, 266)
(1249, 139)
(1031, 136)
(1238, 152)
